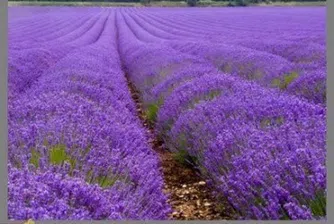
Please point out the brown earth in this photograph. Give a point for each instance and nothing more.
(189, 195)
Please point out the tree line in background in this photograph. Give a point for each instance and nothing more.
(189, 2)
(246, 2)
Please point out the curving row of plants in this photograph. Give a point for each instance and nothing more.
(298, 67)
(76, 148)
(262, 150)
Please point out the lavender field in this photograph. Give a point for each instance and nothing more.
(237, 94)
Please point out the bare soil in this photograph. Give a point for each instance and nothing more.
(189, 195)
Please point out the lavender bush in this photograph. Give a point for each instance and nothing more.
(262, 149)
(77, 149)
(240, 93)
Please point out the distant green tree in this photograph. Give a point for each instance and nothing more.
(145, 2)
(192, 3)
(238, 2)
(241, 2)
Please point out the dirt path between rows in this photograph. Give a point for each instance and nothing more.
(190, 197)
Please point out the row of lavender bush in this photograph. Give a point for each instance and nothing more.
(263, 150)
(45, 44)
(298, 67)
(77, 149)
